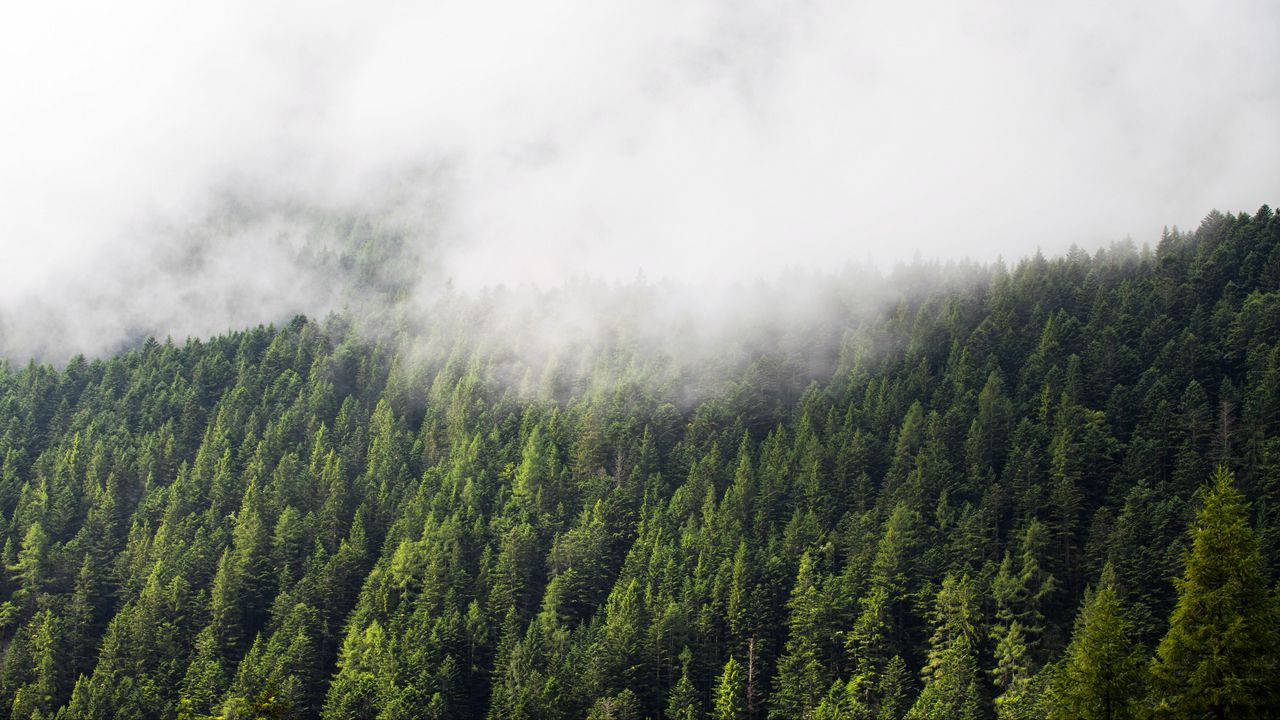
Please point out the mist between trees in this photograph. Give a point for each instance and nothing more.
(1038, 490)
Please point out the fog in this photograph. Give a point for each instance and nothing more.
(167, 168)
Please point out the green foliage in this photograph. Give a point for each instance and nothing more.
(1103, 673)
(730, 693)
(897, 516)
(801, 679)
(952, 683)
(1221, 656)
(683, 702)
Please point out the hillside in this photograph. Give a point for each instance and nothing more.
(971, 498)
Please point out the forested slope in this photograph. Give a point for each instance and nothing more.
(979, 507)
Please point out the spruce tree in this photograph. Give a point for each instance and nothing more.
(894, 690)
(1220, 658)
(952, 689)
(730, 695)
(1013, 669)
(1102, 675)
(682, 702)
(801, 680)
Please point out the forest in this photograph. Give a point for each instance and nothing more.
(1043, 490)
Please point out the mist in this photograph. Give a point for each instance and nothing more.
(184, 170)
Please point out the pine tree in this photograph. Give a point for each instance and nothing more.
(206, 677)
(1221, 657)
(952, 688)
(31, 569)
(730, 695)
(618, 654)
(869, 642)
(1019, 621)
(682, 702)
(880, 626)
(801, 680)
(894, 690)
(622, 706)
(42, 694)
(1102, 676)
(1013, 669)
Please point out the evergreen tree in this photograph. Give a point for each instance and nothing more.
(682, 702)
(894, 690)
(1220, 657)
(801, 679)
(622, 706)
(1013, 671)
(730, 693)
(1102, 676)
(952, 684)
(30, 572)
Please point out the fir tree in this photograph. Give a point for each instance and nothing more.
(1220, 657)
(682, 702)
(730, 694)
(952, 687)
(801, 680)
(1102, 676)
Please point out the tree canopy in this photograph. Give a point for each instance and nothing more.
(992, 495)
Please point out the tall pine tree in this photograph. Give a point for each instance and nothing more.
(1220, 658)
(1102, 675)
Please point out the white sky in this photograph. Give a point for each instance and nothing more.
(692, 139)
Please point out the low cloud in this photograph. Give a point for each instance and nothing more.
(705, 142)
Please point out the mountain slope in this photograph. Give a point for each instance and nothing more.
(898, 516)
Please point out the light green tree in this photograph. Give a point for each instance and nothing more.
(1102, 676)
(1220, 658)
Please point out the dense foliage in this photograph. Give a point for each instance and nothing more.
(1002, 498)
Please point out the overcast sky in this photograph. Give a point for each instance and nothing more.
(690, 139)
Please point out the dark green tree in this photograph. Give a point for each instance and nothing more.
(952, 682)
(683, 702)
(801, 679)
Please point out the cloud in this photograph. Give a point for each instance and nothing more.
(702, 140)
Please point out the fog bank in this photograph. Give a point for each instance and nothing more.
(173, 169)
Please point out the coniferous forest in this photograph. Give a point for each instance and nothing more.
(1047, 490)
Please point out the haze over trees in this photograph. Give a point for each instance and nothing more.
(1046, 490)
